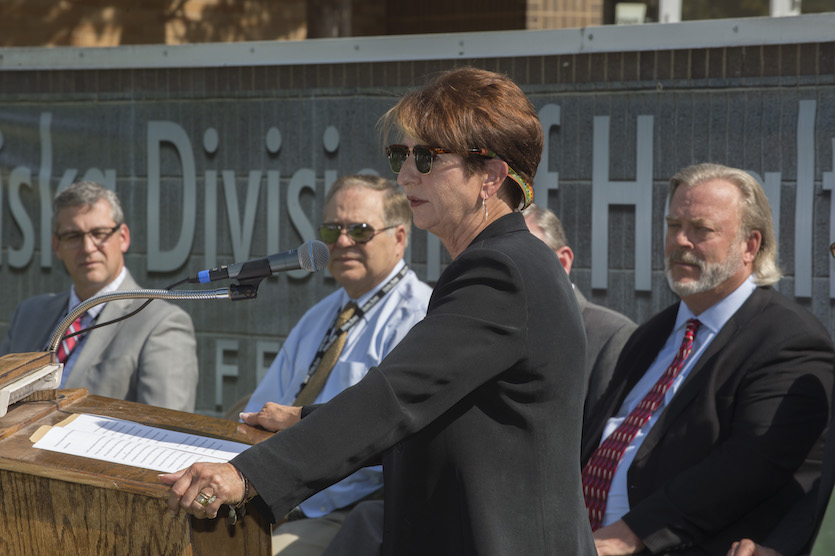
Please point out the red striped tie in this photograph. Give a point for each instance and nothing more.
(68, 344)
(598, 472)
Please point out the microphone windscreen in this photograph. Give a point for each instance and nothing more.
(314, 255)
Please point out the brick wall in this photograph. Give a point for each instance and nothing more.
(564, 14)
(93, 23)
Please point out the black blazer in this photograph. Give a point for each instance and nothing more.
(797, 531)
(476, 413)
(740, 442)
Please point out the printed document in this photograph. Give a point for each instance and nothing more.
(129, 443)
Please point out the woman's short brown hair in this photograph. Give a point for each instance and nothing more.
(466, 108)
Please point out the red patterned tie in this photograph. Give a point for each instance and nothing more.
(68, 344)
(598, 472)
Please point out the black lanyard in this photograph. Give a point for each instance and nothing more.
(332, 335)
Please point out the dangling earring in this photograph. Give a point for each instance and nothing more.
(484, 206)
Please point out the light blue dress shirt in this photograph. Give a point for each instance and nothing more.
(368, 342)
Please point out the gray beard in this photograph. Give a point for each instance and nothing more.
(711, 275)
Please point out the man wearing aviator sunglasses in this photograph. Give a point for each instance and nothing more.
(366, 225)
(150, 357)
(359, 233)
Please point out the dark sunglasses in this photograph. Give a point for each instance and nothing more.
(359, 233)
(424, 156)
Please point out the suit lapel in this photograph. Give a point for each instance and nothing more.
(650, 343)
(638, 354)
(98, 340)
(53, 313)
(581, 299)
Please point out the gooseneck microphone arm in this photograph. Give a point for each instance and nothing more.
(58, 334)
(311, 255)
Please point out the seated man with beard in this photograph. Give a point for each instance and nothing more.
(711, 427)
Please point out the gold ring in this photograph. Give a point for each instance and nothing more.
(204, 500)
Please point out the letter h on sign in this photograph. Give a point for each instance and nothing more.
(606, 192)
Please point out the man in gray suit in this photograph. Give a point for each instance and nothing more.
(150, 357)
(606, 330)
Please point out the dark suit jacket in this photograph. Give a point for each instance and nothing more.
(149, 358)
(606, 333)
(476, 412)
(797, 531)
(741, 440)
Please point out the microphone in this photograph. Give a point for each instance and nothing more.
(311, 255)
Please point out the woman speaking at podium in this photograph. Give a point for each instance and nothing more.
(476, 414)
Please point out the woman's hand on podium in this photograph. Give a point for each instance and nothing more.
(202, 488)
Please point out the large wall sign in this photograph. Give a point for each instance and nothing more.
(220, 156)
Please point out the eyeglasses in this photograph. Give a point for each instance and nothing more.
(424, 156)
(76, 239)
(359, 233)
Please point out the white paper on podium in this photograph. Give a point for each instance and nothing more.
(129, 443)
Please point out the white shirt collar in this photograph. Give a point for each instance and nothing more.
(719, 313)
(367, 295)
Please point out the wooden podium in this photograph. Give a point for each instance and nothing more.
(53, 503)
